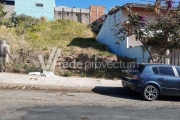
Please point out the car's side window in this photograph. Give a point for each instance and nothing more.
(178, 70)
(166, 70)
(155, 70)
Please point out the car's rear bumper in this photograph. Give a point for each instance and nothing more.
(132, 84)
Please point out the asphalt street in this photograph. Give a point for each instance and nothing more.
(98, 113)
(98, 105)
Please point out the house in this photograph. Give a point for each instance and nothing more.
(36, 8)
(74, 14)
(130, 47)
(96, 12)
(9, 7)
(48, 9)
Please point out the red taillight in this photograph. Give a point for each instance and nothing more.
(136, 77)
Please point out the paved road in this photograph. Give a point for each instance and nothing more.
(42, 105)
(99, 113)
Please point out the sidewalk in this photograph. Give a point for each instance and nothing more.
(71, 84)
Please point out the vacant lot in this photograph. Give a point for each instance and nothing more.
(76, 41)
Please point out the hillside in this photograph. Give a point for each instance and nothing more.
(75, 39)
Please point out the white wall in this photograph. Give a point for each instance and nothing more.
(107, 36)
(138, 53)
(107, 32)
(132, 42)
(9, 9)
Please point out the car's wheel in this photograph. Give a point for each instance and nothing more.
(150, 93)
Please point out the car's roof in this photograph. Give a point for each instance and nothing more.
(156, 64)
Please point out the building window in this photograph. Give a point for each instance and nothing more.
(39, 5)
(67, 14)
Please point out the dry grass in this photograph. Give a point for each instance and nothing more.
(76, 41)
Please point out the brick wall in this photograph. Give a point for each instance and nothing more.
(96, 12)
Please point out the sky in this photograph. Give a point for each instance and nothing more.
(107, 3)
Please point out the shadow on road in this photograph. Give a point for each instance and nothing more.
(169, 98)
(118, 92)
(96, 113)
(121, 92)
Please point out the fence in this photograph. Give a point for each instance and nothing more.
(175, 59)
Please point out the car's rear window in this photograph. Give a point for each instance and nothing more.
(137, 69)
(141, 68)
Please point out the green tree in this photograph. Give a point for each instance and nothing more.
(163, 33)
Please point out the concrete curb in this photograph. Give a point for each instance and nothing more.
(71, 84)
(41, 87)
(102, 90)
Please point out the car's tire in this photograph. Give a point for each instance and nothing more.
(150, 92)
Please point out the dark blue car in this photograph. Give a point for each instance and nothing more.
(152, 80)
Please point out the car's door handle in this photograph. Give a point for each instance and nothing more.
(161, 79)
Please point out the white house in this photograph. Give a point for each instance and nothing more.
(129, 47)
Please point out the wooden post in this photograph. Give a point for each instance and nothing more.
(4, 49)
(4, 59)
